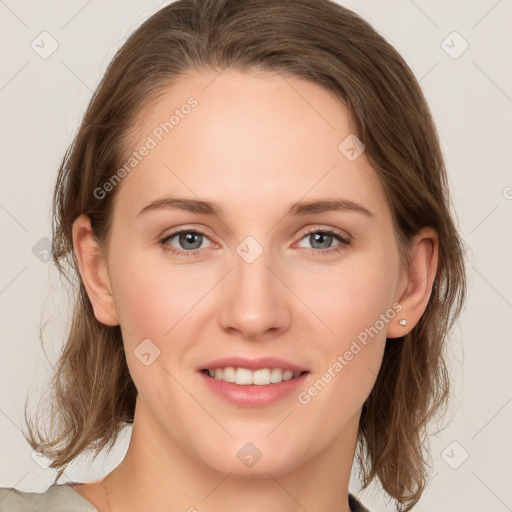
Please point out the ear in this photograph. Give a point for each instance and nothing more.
(94, 272)
(418, 279)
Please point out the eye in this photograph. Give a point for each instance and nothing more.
(190, 241)
(321, 240)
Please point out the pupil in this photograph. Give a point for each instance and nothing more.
(320, 236)
(189, 238)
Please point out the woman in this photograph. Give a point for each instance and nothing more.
(292, 147)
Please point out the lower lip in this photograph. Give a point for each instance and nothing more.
(253, 395)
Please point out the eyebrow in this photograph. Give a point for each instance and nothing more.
(298, 208)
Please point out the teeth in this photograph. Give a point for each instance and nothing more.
(261, 377)
(229, 374)
(245, 377)
(242, 376)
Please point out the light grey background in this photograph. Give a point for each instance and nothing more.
(41, 102)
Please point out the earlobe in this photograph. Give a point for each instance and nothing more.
(420, 275)
(93, 270)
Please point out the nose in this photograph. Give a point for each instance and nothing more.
(257, 303)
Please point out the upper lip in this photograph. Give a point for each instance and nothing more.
(253, 364)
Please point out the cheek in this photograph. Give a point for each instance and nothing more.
(350, 298)
(156, 302)
(356, 303)
(152, 295)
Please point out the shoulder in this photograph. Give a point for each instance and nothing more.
(355, 505)
(57, 498)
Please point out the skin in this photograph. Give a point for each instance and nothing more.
(255, 143)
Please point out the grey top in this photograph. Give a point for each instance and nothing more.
(57, 498)
(63, 498)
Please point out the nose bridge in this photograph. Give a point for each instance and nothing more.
(257, 299)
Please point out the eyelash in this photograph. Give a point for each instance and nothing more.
(344, 242)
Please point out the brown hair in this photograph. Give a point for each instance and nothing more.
(93, 395)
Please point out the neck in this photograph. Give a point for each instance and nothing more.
(157, 472)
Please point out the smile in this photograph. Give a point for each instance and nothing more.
(246, 377)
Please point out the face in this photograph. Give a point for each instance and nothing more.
(249, 278)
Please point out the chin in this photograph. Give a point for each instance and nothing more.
(252, 459)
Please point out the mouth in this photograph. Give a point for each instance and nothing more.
(248, 377)
(253, 382)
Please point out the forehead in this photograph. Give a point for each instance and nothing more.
(246, 139)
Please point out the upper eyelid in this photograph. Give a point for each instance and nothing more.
(340, 232)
